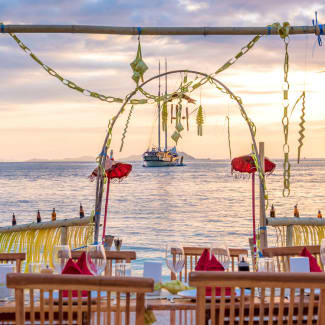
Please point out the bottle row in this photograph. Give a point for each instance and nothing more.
(53, 215)
(295, 212)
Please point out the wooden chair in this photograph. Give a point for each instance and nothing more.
(281, 255)
(111, 258)
(192, 255)
(54, 308)
(17, 258)
(243, 307)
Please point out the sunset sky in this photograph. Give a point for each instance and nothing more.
(41, 118)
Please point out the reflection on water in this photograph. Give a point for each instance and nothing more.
(197, 204)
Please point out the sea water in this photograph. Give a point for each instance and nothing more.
(198, 204)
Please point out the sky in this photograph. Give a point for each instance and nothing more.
(42, 118)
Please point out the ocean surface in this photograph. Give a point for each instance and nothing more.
(198, 204)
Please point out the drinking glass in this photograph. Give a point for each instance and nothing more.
(123, 269)
(96, 259)
(221, 252)
(175, 257)
(61, 255)
(322, 251)
(266, 264)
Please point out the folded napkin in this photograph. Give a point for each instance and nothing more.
(173, 286)
(149, 317)
(76, 268)
(314, 267)
(207, 263)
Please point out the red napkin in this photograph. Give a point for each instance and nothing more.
(76, 268)
(314, 267)
(83, 264)
(205, 263)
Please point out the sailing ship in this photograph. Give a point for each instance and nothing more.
(158, 157)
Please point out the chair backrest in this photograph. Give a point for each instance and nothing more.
(281, 255)
(17, 258)
(72, 299)
(111, 258)
(192, 255)
(259, 298)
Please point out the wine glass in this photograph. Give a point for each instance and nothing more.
(322, 251)
(266, 264)
(175, 257)
(96, 259)
(61, 255)
(221, 252)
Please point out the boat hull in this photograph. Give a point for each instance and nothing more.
(159, 163)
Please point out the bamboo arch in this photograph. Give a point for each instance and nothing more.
(102, 158)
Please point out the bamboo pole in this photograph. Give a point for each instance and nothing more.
(263, 232)
(47, 225)
(117, 30)
(295, 221)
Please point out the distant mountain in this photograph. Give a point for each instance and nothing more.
(83, 158)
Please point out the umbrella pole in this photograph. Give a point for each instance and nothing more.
(106, 205)
(253, 212)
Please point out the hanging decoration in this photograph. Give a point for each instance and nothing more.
(126, 127)
(302, 122)
(39, 243)
(188, 86)
(199, 120)
(284, 34)
(302, 128)
(138, 65)
(164, 116)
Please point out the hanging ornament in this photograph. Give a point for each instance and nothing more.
(164, 116)
(175, 136)
(199, 120)
(138, 66)
(179, 127)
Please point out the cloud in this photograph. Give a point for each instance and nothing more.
(30, 97)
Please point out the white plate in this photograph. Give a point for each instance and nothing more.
(191, 294)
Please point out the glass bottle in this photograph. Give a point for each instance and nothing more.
(53, 216)
(82, 213)
(296, 211)
(14, 222)
(272, 212)
(38, 217)
(243, 265)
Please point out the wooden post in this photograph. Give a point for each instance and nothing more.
(64, 235)
(263, 232)
(289, 235)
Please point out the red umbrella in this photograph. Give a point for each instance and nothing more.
(246, 164)
(114, 171)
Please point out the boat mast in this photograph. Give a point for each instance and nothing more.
(166, 103)
(159, 111)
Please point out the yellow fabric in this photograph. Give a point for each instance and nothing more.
(173, 286)
(149, 317)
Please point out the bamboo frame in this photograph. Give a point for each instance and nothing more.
(102, 160)
(47, 225)
(118, 30)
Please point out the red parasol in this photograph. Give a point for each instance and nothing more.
(114, 171)
(246, 164)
